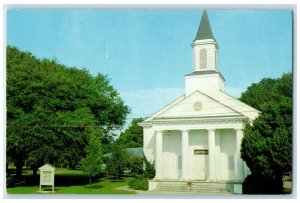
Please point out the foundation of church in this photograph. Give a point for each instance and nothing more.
(197, 187)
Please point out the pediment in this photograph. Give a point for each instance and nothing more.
(239, 106)
(197, 104)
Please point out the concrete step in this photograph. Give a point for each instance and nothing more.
(203, 187)
(175, 189)
(173, 186)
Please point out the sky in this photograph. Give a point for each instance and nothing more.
(147, 52)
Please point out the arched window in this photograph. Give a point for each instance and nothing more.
(203, 58)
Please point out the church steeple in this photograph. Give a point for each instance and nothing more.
(205, 76)
(204, 30)
(205, 47)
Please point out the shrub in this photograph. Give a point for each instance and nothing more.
(139, 183)
(255, 184)
(135, 164)
(12, 181)
(149, 169)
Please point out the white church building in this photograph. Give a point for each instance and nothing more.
(196, 139)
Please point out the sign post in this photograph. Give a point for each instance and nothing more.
(47, 176)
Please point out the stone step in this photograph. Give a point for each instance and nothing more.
(203, 191)
(203, 188)
(207, 186)
(175, 189)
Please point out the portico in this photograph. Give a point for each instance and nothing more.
(189, 152)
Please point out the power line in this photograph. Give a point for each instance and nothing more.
(98, 126)
(205, 101)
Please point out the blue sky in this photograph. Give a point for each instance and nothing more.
(146, 53)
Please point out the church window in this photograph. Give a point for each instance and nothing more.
(179, 161)
(203, 58)
(230, 162)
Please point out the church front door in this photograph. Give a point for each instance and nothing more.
(199, 164)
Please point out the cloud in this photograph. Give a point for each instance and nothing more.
(144, 103)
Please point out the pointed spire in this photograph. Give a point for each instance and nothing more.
(204, 31)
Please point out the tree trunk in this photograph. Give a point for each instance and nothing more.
(90, 183)
(34, 171)
(19, 167)
(72, 165)
(34, 175)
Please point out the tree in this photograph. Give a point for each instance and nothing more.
(267, 144)
(132, 136)
(92, 163)
(117, 161)
(134, 164)
(50, 108)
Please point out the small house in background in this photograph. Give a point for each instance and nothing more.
(47, 172)
(135, 151)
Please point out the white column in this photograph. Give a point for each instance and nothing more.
(158, 155)
(217, 156)
(185, 155)
(211, 155)
(239, 162)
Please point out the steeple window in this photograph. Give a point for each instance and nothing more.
(203, 59)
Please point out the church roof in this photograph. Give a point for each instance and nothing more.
(182, 108)
(204, 30)
(205, 72)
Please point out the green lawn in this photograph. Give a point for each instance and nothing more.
(72, 182)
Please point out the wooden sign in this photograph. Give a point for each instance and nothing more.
(47, 176)
(200, 152)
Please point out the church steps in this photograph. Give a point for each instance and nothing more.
(196, 187)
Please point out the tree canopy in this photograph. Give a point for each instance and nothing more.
(267, 144)
(132, 136)
(50, 108)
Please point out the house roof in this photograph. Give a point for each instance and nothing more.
(204, 30)
(136, 151)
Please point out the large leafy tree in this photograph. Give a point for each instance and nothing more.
(132, 136)
(267, 144)
(50, 108)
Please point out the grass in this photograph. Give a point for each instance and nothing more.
(69, 181)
